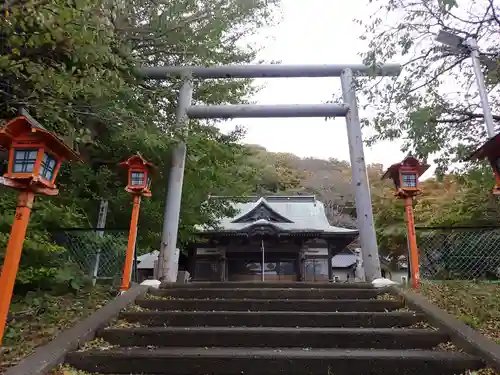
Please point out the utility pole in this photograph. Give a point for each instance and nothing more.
(469, 45)
(483, 93)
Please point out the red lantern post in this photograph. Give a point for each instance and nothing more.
(405, 176)
(139, 185)
(35, 157)
(490, 150)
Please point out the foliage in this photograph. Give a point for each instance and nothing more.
(43, 266)
(71, 64)
(461, 198)
(38, 317)
(276, 172)
(285, 173)
(434, 104)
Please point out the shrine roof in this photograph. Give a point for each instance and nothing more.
(284, 213)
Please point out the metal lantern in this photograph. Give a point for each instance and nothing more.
(490, 150)
(409, 179)
(139, 175)
(35, 155)
(496, 166)
(139, 185)
(405, 176)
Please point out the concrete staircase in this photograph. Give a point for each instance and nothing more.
(271, 329)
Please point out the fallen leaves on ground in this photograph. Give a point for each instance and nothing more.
(24, 334)
(477, 304)
(98, 343)
(67, 370)
(386, 297)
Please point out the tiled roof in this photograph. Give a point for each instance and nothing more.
(147, 261)
(303, 214)
(343, 260)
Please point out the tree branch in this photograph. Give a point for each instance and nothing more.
(466, 116)
(494, 13)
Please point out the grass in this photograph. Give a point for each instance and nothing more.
(39, 319)
(477, 304)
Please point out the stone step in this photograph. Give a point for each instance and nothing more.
(260, 284)
(255, 361)
(275, 337)
(274, 318)
(269, 293)
(269, 305)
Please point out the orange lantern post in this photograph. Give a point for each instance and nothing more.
(490, 150)
(405, 176)
(139, 185)
(35, 157)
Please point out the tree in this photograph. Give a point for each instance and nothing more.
(275, 171)
(433, 105)
(71, 64)
(458, 199)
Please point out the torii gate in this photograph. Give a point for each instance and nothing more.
(168, 259)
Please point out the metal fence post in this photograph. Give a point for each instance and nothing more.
(360, 181)
(101, 224)
(166, 259)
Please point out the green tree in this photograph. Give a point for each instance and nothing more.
(275, 172)
(433, 106)
(72, 66)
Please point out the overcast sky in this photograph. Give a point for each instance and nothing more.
(311, 32)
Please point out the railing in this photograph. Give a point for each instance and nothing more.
(98, 253)
(459, 253)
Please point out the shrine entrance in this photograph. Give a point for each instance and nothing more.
(349, 109)
(272, 238)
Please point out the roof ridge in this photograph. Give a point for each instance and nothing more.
(293, 198)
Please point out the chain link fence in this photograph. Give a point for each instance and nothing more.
(459, 253)
(100, 254)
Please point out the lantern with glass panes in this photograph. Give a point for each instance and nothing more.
(490, 150)
(35, 155)
(139, 175)
(139, 185)
(405, 176)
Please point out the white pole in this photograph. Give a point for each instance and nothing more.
(366, 225)
(168, 257)
(263, 259)
(483, 93)
(101, 224)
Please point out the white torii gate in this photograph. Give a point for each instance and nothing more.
(168, 258)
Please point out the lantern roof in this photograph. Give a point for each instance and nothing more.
(137, 159)
(490, 148)
(410, 161)
(25, 124)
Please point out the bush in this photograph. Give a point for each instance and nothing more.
(44, 266)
